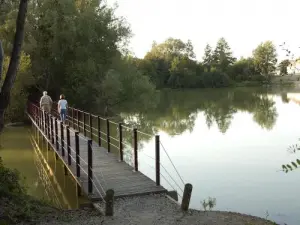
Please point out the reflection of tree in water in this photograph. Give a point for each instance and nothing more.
(265, 113)
(284, 98)
(176, 111)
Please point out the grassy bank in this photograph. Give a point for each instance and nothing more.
(15, 204)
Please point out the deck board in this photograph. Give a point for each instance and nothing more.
(107, 170)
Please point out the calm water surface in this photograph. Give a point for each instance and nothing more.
(44, 176)
(230, 144)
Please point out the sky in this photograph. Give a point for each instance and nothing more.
(243, 23)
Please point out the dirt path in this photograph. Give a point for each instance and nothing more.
(158, 210)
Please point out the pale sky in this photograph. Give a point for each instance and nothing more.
(243, 23)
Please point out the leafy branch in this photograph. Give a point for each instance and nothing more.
(294, 164)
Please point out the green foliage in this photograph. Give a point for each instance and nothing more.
(10, 182)
(210, 203)
(15, 205)
(294, 164)
(283, 65)
(265, 58)
(222, 55)
(19, 94)
(171, 64)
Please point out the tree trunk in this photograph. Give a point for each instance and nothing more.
(1, 61)
(14, 61)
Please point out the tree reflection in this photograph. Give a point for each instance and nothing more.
(175, 112)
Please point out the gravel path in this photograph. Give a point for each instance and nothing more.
(155, 210)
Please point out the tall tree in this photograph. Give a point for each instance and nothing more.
(265, 58)
(222, 56)
(207, 58)
(283, 65)
(14, 61)
(1, 61)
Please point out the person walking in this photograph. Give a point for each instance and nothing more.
(46, 102)
(62, 106)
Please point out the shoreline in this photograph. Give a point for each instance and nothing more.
(148, 209)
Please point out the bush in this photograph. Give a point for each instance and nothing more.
(15, 205)
(215, 79)
(10, 182)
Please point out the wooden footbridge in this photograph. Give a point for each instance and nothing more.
(84, 145)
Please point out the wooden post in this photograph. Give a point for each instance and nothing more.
(62, 139)
(51, 129)
(48, 127)
(109, 202)
(56, 135)
(73, 119)
(107, 135)
(78, 189)
(187, 193)
(135, 150)
(90, 167)
(78, 124)
(65, 170)
(99, 130)
(69, 145)
(43, 124)
(120, 142)
(91, 125)
(77, 154)
(38, 116)
(84, 126)
(157, 159)
(46, 124)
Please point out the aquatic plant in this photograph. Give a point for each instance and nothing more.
(210, 203)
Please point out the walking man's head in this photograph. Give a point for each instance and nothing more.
(44, 92)
(62, 96)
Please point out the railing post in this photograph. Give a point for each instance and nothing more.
(107, 135)
(187, 193)
(91, 125)
(73, 120)
(157, 159)
(99, 130)
(41, 119)
(84, 126)
(56, 135)
(49, 126)
(69, 145)
(62, 139)
(52, 131)
(120, 142)
(44, 121)
(135, 150)
(77, 154)
(78, 124)
(90, 167)
(46, 127)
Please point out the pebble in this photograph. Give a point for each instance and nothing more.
(155, 210)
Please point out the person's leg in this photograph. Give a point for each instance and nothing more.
(63, 115)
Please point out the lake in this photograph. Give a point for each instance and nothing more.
(44, 175)
(230, 144)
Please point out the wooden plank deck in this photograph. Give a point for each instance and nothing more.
(108, 171)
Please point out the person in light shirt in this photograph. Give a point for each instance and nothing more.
(46, 102)
(62, 106)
